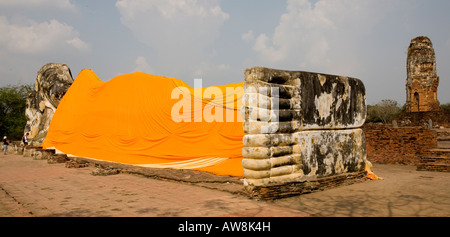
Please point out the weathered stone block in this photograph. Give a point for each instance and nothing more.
(314, 154)
(260, 127)
(331, 152)
(323, 101)
(57, 158)
(263, 101)
(301, 126)
(264, 140)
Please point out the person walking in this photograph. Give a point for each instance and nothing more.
(5, 144)
(25, 140)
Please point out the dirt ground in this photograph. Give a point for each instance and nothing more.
(403, 192)
(34, 188)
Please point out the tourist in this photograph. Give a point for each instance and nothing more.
(5, 144)
(25, 139)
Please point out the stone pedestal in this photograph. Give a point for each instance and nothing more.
(301, 127)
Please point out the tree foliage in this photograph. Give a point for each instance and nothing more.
(12, 110)
(446, 107)
(384, 111)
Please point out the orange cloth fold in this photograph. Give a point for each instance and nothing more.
(151, 121)
(370, 174)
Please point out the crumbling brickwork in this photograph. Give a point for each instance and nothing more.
(429, 119)
(401, 145)
(422, 80)
(300, 126)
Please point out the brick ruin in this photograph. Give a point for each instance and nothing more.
(398, 145)
(427, 149)
(422, 80)
(303, 132)
(420, 135)
(422, 104)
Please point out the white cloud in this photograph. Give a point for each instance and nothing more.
(78, 43)
(270, 51)
(249, 36)
(32, 4)
(175, 23)
(34, 37)
(181, 31)
(320, 36)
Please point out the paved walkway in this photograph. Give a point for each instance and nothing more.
(35, 188)
(404, 192)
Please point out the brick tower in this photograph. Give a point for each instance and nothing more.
(422, 80)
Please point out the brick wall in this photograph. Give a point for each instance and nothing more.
(401, 145)
(421, 119)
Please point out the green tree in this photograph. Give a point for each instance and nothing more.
(446, 107)
(12, 110)
(384, 111)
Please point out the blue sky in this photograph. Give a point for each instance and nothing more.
(216, 40)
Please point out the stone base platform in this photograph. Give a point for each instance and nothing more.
(278, 191)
